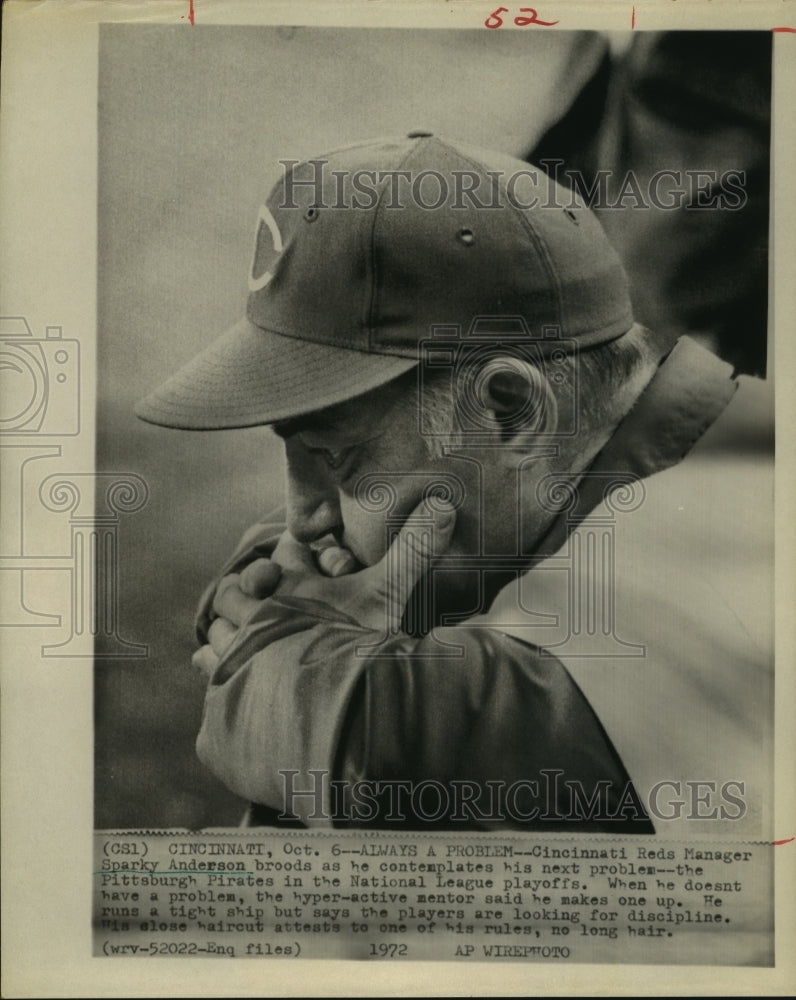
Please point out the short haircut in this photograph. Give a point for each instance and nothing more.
(595, 376)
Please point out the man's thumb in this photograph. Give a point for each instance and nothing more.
(292, 554)
(426, 533)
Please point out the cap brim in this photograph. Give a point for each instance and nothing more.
(251, 376)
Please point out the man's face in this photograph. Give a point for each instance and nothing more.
(377, 435)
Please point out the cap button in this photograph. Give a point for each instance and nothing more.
(418, 133)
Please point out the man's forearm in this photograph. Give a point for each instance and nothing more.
(297, 693)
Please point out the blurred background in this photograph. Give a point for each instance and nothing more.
(191, 126)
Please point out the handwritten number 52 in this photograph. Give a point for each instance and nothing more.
(496, 21)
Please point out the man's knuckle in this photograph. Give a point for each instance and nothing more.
(221, 633)
(259, 578)
(204, 659)
(220, 598)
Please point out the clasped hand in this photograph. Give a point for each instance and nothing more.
(374, 597)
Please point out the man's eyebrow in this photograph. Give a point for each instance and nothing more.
(287, 428)
(332, 418)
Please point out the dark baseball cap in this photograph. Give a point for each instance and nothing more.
(362, 251)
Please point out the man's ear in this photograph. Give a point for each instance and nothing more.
(519, 396)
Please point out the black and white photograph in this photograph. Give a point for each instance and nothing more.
(421, 570)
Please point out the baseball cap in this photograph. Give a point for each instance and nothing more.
(360, 252)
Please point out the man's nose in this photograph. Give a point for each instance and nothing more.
(313, 506)
(309, 521)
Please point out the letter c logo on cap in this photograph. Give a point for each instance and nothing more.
(267, 247)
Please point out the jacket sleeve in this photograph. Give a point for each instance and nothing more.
(312, 715)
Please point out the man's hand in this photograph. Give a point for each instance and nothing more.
(375, 596)
(239, 594)
(236, 597)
